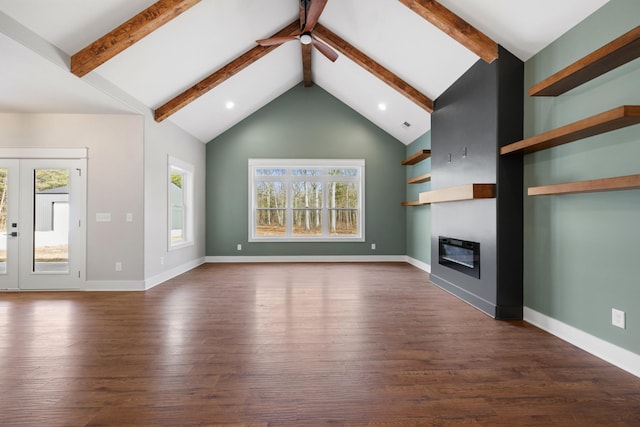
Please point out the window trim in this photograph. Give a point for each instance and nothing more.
(188, 172)
(300, 164)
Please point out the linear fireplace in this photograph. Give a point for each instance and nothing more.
(460, 255)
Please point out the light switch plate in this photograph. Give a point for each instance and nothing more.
(103, 217)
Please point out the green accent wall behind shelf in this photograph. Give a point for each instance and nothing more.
(305, 123)
(418, 217)
(581, 251)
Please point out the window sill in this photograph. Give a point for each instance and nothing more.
(182, 245)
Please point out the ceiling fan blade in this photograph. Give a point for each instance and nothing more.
(313, 14)
(276, 40)
(325, 49)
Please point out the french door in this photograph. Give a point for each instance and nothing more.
(42, 223)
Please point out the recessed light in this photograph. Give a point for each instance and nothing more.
(382, 106)
(229, 105)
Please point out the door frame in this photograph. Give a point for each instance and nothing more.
(32, 153)
(10, 278)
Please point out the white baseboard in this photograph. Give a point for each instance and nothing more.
(141, 285)
(307, 258)
(114, 285)
(170, 274)
(617, 356)
(421, 265)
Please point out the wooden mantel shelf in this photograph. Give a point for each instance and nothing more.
(619, 117)
(412, 203)
(462, 192)
(419, 179)
(417, 157)
(624, 49)
(629, 182)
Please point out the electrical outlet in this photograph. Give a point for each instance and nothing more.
(161, 260)
(373, 246)
(618, 318)
(118, 266)
(239, 247)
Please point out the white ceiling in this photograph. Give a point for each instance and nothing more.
(214, 32)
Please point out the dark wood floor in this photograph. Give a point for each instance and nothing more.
(293, 345)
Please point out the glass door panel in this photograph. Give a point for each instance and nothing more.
(52, 206)
(51, 221)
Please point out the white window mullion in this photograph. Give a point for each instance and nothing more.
(325, 204)
(289, 211)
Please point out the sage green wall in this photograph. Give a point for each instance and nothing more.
(418, 217)
(305, 123)
(581, 251)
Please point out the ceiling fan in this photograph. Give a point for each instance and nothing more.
(312, 11)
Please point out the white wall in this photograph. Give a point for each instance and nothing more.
(127, 173)
(163, 140)
(114, 181)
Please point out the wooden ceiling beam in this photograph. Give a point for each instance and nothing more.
(224, 73)
(307, 77)
(456, 27)
(373, 67)
(132, 31)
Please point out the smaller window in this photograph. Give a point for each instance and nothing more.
(180, 197)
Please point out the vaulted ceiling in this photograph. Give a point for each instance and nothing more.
(189, 61)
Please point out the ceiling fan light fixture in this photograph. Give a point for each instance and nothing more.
(305, 38)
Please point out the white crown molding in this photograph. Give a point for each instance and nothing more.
(43, 153)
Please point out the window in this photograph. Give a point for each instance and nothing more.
(180, 196)
(306, 200)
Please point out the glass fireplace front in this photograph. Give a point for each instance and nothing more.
(460, 255)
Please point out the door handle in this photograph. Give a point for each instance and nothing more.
(13, 234)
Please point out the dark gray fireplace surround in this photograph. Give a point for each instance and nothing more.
(479, 113)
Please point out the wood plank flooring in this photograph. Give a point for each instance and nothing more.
(293, 345)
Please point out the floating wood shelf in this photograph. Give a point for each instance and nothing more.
(462, 192)
(624, 49)
(412, 203)
(629, 182)
(626, 115)
(417, 157)
(419, 179)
